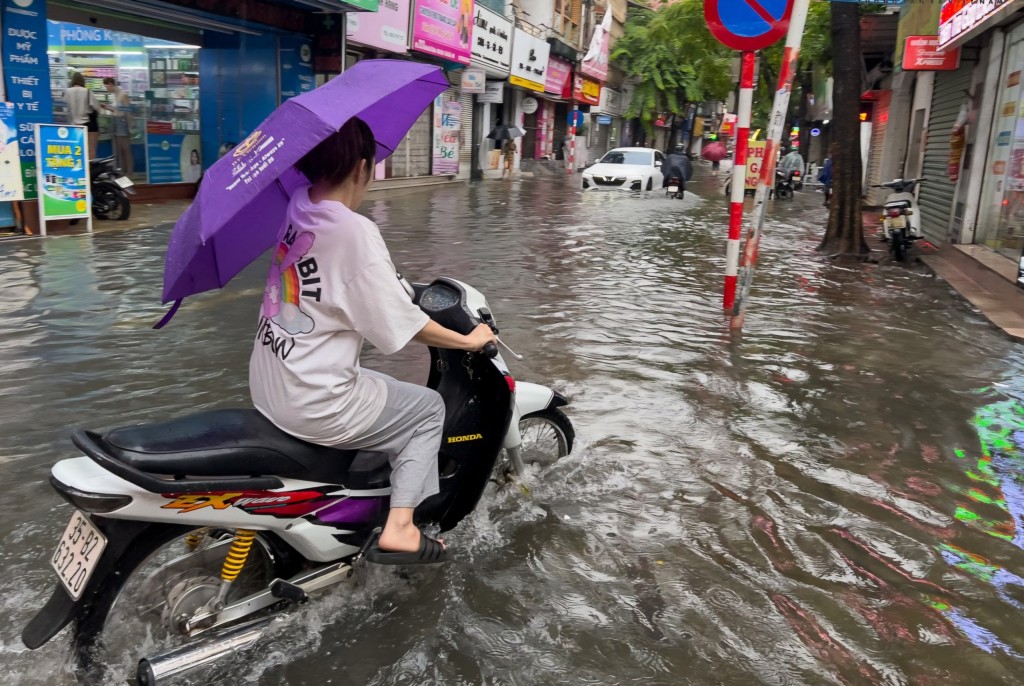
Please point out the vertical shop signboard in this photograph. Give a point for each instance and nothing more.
(447, 126)
(12, 186)
(62, 173)
(443, 28)
(295, 58)
(27, 77)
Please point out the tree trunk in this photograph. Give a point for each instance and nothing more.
(844, 234)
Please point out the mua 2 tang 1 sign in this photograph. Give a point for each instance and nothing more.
(747, 25)
(62, 172)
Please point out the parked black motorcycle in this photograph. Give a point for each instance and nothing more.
(110, 190)
(783, 184)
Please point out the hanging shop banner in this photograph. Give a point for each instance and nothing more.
(447, 126)
(386, 29)
(557, 80)
(295, 55)
(173, 158)
(755, 158)
(473, 81)
(62, 172)
(529, 61)
(27, 77)
(494, 93)
(586, 91)
(443, 28)
(921, 53)
(492, 42)
(595, 62)
(958, 18)
(12, 187)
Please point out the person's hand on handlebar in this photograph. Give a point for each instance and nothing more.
(479, 337)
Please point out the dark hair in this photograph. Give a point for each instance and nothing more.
(110, 81)
(78, 79)
(337, 157)
(194, 152)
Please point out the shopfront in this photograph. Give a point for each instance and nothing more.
(491, 53)
(556, 106)
(150, 115)
(1001, 210)
(530, 56)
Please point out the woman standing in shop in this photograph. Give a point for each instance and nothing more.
(122, 111)
(83, 110)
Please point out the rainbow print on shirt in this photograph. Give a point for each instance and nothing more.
(281, 296)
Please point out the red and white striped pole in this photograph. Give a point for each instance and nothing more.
(739, 178)
(572, 140)
(766, 182)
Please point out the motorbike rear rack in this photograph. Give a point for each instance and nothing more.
(90, 444)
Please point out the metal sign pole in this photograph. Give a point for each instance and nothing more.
(739, 178)
(787, 73)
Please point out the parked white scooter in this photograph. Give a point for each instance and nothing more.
(901, 222)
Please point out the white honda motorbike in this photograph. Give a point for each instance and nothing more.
(197, 532)
(901, 222)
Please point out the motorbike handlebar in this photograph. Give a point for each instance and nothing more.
(490, 350)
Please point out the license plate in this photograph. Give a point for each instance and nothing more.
(673, 189)
(897, 222)
(124, 182)
(77, 554)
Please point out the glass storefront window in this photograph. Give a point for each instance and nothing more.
(150, 119)
(1001, 216)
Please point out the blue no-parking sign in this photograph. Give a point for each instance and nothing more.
(578, 116)
(747, 24)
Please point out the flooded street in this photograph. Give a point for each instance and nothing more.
(833, 497)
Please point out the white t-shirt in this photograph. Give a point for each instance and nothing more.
(331, 286)
(80, 102)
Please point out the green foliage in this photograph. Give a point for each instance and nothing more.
(674, 59)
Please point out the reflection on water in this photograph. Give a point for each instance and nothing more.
(832, 497)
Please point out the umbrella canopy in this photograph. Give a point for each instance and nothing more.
(242, 201)
(503, 132)
(715, 152)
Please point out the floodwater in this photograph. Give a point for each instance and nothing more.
(834, 497)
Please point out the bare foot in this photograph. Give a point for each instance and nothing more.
(401, 538)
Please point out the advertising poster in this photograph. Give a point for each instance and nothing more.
(595, 62)
(443, 28)
(173, 158)
(386, 29)
(557, 79)
(447, 125)
(11, 185)
(755, 159)
(296, 66)
(61, 172)
(27, 77)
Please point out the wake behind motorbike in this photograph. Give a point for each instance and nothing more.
(202, 530)
(901, 222)
(110, 190)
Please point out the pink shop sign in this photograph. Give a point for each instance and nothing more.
(387, 28)
(443, 28)
(559, 71)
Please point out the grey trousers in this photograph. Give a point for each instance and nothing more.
(408, 431)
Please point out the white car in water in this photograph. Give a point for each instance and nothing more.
(630, 169)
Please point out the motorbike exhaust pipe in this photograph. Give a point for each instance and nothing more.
(178, 661)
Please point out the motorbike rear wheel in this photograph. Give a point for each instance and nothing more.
(165, 577)
(109, 201)
(898, 245)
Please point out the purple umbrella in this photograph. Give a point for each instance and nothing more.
(244, 196)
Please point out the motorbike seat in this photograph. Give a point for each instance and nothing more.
(240, 442)
(898, 203)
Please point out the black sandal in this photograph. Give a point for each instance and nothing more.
(430, 552)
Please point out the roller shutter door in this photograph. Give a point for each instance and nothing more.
(935, 199)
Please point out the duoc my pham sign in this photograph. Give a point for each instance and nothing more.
(921, 53)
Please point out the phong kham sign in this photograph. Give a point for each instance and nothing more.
(921, 53)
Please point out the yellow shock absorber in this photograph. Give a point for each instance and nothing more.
(235, 560)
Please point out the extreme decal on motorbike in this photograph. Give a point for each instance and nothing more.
(290, 504)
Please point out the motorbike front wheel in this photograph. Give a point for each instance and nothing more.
(548, 436)
(165, 577)
(109, 201)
